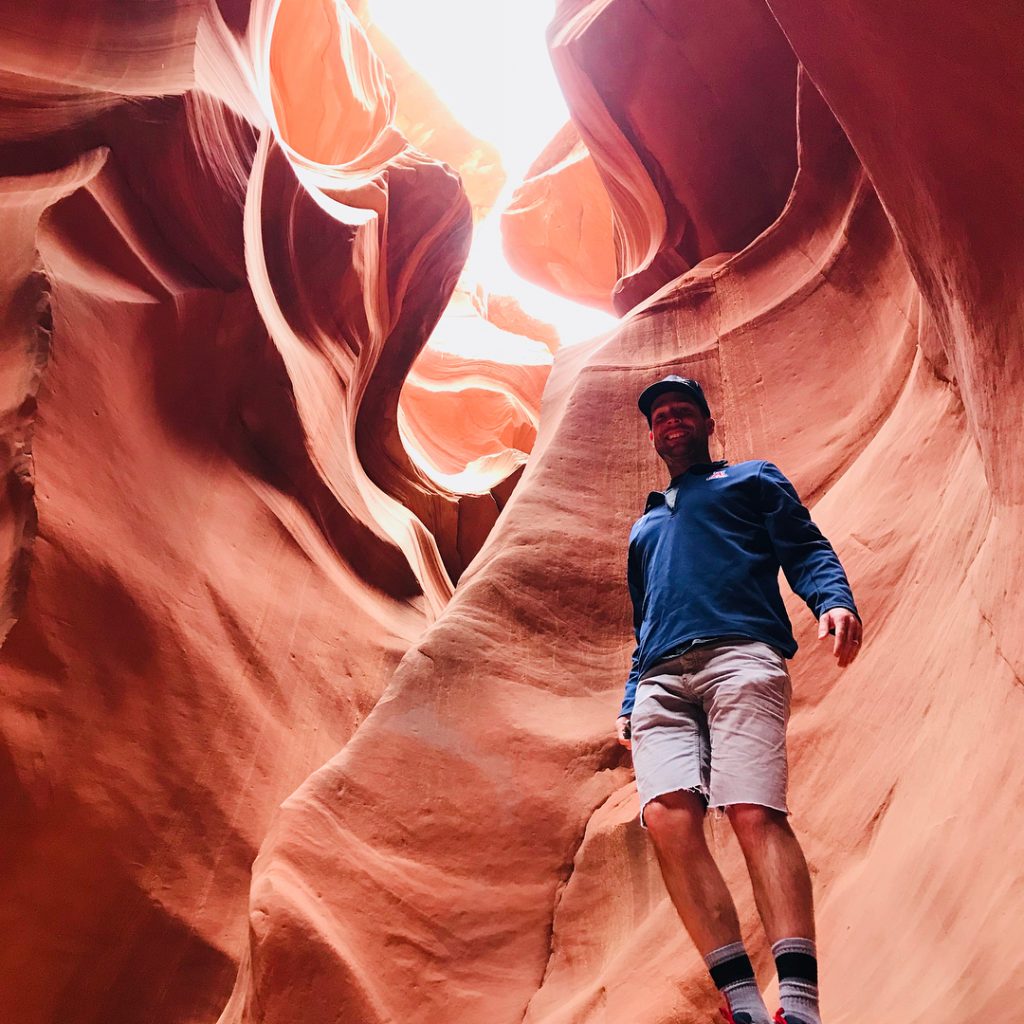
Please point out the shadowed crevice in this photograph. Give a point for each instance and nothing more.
(18, 517)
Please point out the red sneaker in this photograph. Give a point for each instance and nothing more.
(781, 1018)
(739, 1018)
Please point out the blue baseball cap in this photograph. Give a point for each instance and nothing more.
(684, 385)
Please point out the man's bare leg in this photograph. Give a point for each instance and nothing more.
(778, 871)
(698, 891)
(675, 822)
(782, 891)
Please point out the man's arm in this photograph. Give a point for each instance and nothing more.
(634, 578)
(848, 633)
(810, 563)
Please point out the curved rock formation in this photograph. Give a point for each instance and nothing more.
(470, 403)
(215, 546)
(652, 111)
(506, 313)
(949, 174)
(510, 872)
(428, 125)
(557, 231)
(479, 835)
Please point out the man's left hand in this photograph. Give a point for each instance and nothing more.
(848, 631)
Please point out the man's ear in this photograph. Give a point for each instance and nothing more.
(650, 436)
(711, 426)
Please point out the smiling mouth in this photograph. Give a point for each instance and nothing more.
(674, 435)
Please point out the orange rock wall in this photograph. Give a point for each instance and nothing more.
(427, 124)
(503, 876)
(651, 113)
(558, 229)
(214, 547)
(949, 173)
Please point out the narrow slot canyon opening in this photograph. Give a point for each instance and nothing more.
(347, 84)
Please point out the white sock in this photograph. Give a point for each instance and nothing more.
(733, 973)
(797, 963)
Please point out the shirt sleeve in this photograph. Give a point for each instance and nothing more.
(808, 560)
(634, 576)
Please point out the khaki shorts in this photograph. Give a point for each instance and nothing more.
(713, 721)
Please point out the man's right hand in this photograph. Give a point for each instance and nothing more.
(623, 729)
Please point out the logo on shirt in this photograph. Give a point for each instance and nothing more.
(719, 474)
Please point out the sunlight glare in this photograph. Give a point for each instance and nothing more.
(490, 66)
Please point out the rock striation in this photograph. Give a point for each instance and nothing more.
(504, 877)
(214, 546)
(558, 229)
(651, 115)
(469, 406)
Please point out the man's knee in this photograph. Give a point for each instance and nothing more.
(753, 823)
(675, 818)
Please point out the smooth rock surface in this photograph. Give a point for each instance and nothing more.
(650, 87)
(558, 229)
(214, 547)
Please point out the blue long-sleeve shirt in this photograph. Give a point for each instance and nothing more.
(704, 562)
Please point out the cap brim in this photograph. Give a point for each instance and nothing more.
(663, 387)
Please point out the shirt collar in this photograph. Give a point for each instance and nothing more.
(656, 498)
(699, 469)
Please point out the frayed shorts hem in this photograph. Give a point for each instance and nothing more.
(696, 790)
(718, 806)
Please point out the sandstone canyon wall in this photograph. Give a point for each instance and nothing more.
(230, 595)
(216, 276)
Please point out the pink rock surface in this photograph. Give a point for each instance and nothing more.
(558, 231)
(471, 401)
(214, 545)
(506, 313)
(512, 876)
(949, 173)
(650, 86)
(428, 125)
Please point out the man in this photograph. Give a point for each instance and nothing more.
(707, 699)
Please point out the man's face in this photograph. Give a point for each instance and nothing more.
(679, 429)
